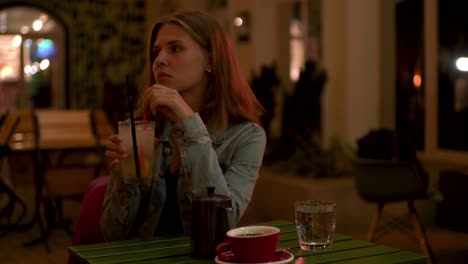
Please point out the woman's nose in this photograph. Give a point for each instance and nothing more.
(161, 59)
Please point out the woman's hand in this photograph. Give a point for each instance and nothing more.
(168, 101)
(115, 152)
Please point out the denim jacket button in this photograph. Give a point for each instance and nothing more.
(167, 150)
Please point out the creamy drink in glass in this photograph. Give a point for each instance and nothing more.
(144, 131)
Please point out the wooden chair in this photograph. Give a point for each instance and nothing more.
(387, 181)
(7, 126)
(24, 135)
(8, 223)
(24, 140)
(71, 149)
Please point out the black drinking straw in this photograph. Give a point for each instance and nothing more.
(132, 126)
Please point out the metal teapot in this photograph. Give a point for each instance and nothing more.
(212, 217)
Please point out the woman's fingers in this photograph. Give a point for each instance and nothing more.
(114, 143)
(151, 95)
(114, 150)
(114, 164)
(111, 155)
(168, 101)
(112, 140)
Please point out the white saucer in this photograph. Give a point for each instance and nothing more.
(286, 257)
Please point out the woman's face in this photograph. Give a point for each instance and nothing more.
(180, 63)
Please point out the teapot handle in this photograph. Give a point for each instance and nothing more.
(230, 217)
(228, 213)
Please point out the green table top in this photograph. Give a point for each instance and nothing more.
(176, 249)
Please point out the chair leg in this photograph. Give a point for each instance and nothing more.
(420, 233)
(374, 223)
(65, 223)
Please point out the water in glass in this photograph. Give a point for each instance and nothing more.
(315, 225)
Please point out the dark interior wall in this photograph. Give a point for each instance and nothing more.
(106, 40)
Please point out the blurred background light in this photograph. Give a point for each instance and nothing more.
(6, 72)
(43, 18)
(44, 64)
(34, 69)
(28, 42)
(462, 64)
(24, 30)
(238, 22)
(37, 25)
(417, 80)
(27, 69)
(45, 48)
(17, 41)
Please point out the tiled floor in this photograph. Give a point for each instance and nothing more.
(448, 246)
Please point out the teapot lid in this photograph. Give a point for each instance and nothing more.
(212, 197)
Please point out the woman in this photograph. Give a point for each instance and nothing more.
(207, 133)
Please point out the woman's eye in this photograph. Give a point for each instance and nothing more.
(175, 48)
(154, 52)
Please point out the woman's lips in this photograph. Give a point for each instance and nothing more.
(162, 77)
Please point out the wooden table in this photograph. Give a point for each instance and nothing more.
(177, 250)
(41, 132)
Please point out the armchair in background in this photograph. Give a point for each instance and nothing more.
(383, 182)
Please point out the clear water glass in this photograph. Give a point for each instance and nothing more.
(315, 223)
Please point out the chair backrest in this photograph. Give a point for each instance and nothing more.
(7, 127)
(64, 128)
(88, 225)
(24, 136)
(384, 181)
(72, 132)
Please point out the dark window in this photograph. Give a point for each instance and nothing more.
(453, 78)
(409, 72)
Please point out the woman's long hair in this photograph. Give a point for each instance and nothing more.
(229, 98)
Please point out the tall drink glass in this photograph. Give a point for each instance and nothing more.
(144, 131)
(315, 223)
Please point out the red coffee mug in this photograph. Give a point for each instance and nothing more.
(249, 244)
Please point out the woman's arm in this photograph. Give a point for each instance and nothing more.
(241, 154)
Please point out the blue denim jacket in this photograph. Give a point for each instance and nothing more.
(229, 160)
